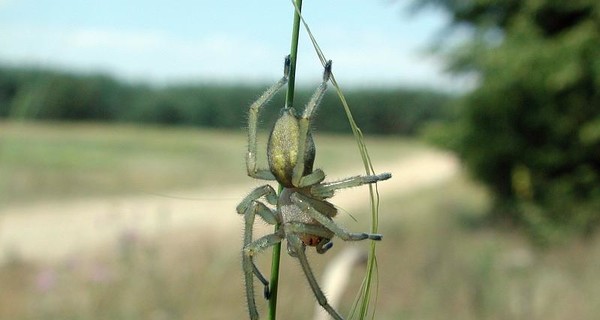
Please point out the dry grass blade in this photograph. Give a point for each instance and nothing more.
(361, 306)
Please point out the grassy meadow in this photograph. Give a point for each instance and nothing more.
(52, 160)
(437, 261)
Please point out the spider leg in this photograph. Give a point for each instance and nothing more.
(319, 93)
(251, 166)
(300, 228)
(304, 203)
(262, 279)
(324, 245)
(250, 203)
(250, 269)
(297, 245)
(250, 207)
(326, 190)
(317, 230)
(304, 126)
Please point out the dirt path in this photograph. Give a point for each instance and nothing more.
(56, 230)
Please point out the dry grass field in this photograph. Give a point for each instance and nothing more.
(159, 203)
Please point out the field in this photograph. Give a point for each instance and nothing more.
(437, 261)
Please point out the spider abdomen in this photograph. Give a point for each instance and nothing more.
(282, 149)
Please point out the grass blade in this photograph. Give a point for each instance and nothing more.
(360, 308)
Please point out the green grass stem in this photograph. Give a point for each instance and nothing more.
(289, 98)
(289, 102)
(274, 284)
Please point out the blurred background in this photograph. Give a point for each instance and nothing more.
(122, 154)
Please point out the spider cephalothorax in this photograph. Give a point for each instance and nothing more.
(301, 208)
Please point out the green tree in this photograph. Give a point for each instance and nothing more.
(531, 129)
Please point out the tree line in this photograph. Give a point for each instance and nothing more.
(39, 94)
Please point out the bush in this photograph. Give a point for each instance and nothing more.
(531, 130)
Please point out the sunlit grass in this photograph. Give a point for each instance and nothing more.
(437, 260)
(43, 161)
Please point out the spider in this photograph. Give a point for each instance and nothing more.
(301, 209)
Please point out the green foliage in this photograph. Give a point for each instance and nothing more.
(531, 130)
(51, 95)
(43, 94)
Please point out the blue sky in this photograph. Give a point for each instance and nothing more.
(372, 42)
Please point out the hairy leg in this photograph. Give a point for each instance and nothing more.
(304, 126)
(250, 203)
(251, 164)
(250, 207)
(250, 269)
(296, 245)
(304, 203)
(326, 190)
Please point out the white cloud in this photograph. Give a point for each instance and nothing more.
(146, 54)
(364, 58)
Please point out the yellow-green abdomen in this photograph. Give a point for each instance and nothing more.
(282, 149)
